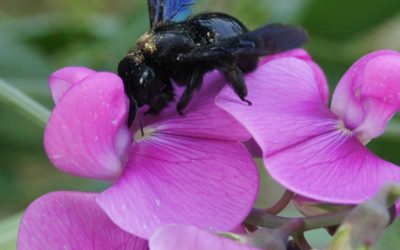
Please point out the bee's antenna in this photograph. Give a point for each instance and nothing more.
(139, 115)
(140, 123)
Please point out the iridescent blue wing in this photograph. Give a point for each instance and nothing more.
(177, 10)
(162, 11)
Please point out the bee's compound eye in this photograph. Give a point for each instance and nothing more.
(146, 76)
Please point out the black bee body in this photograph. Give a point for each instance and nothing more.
(185, 51)
(178, 39)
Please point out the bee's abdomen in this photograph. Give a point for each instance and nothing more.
(208, 28)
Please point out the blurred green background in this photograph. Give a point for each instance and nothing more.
(39, 36)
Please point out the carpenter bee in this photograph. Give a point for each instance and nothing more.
(183, 48)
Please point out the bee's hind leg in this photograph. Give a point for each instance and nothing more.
(194, 84)
(234, 76)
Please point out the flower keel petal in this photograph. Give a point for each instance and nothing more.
(87, 134)
(374, 76)
(63, 79)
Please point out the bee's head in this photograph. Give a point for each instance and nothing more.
(140, 80)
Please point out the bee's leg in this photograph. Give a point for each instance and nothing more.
(157, 105)
(131, 115)
(194, 84)
(234, 76)
(247, 63)
(133, 110)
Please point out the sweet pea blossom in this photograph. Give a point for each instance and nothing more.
(72, 220)
(188, 169)
(317, 151)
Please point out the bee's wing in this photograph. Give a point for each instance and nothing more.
(279, 38)
(161, 11)
(270, 39)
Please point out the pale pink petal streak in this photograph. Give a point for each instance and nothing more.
(180, 237)
(175, 179)
(72, 220)
(87, 134)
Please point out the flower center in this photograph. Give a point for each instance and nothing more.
(147, 132)
(346, 131)
(342, 127)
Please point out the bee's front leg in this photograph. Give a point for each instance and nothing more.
(194, 84)
(234, 76)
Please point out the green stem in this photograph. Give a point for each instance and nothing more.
(287, 229)
(261, 218)
(282, 203)
(24, 103)
(301, 241)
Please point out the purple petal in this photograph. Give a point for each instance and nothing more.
(333, 167)
(372, 79)
(377, 115)
(305, 147)
(179, 237)
(287, 106)
(202, 118)
(174, 179)
(62, 80)
(239, 229)
(322, 83)
(71, 220)
(87, 134)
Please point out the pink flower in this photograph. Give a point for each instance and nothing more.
(315, 151)
(72, 220)
(185, 170)
(181, 237)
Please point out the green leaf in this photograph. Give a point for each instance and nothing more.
(24, 103)
(269, 190)
(18, 59)
(9, 231)
(344, 19)
(390, 239)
